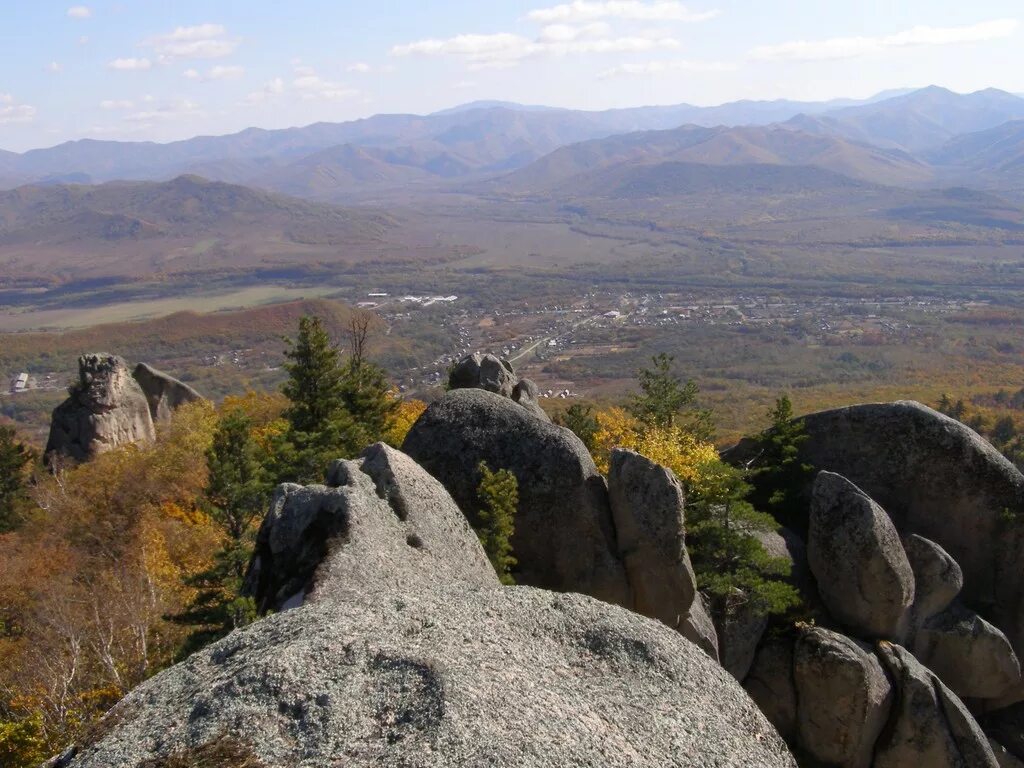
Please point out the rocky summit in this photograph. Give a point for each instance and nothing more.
(394, 645)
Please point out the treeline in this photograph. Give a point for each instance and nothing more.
(998, 417)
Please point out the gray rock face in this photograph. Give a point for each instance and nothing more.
(483, 371)
(698, 627)
(843, 698)
(527, 395)
(930, 726)
(424, 533)
(564, 538)
(856, 556)
(770, 684)
(402, 656)
(738, 637)
(937, 577)
(164, 393)
(495, 374)
(970, 655)
(647, 503)
(106, 408)
(939, 479)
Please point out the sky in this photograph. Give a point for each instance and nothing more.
(145, 70)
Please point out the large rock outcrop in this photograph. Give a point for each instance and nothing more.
(495, 374)
(401, 656)
(939, 479)
(938, 578)
(164, 393)
(564, 538)
(843, 698)
(647, 502)
(930, 726)
(863, 574)
(105, 408)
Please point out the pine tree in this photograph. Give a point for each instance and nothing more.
(15, 456)
(731, 564)
(235, 499)
(320, 427)
(582, 422)
(664, 396)
(498, 493)
(778, 474)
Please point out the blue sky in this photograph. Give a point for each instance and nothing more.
(146, 70)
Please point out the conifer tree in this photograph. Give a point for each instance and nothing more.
(235, 498)
(15, 456)
(778, 474)
(365, 389)
(320, 426)
(581, 421)
(498, 493)
(731, 564)
(665, 400)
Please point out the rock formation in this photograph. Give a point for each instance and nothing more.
(494, 374)
(843, 697)
(564, 538)
(164, 393)
(405, 651)
(105, 408)
(863, 574)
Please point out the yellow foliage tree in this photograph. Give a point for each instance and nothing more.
(671, 446)
(404, 417)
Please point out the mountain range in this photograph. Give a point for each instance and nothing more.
(897, 138)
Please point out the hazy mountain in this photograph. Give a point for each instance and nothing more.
(484, 136)
(917, 121)
(997, 151)
(745, 146)
(187, 223)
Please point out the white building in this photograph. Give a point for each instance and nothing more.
(20, 383)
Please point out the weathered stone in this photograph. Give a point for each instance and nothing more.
(843, 697)
(527, 395)
(404, 656)
(856, 556)
(937, 577)
(939, 479)
(738, 636)
(564, 538)
(771, 685)
(164, 393)
(1004, 757)
(647, 502)
(929, 726)
(424, 533)
(483, 371)
(697, 627)
(968, 654)
(105, 409)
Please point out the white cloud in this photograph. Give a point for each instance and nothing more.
(12, 112)
(312, 87)
(112, 104)
(630, 10)
(506, 49)
(654, 68)
(359, 67)
(79, 12)
(130, 65)
(851, 47)
(203, 41)
(170, 111)
(270, 89)
(83, 40)
(55, 67)
(215, 73)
